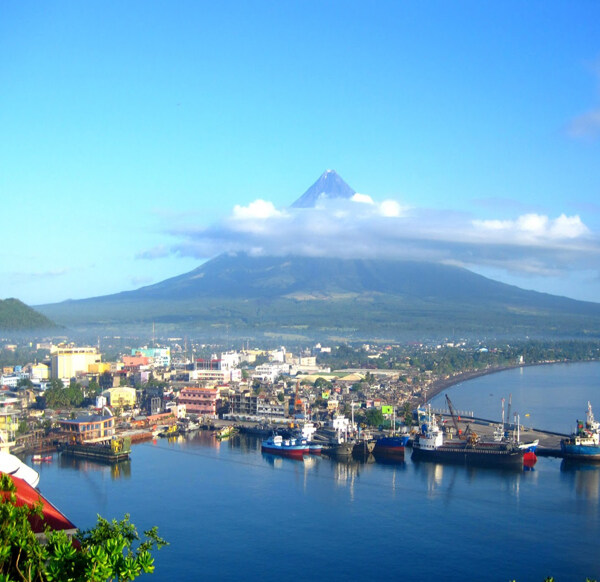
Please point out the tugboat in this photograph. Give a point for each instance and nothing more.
(289, 447)
(429, 445)
(584, 444)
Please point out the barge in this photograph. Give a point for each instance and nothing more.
(106, 451)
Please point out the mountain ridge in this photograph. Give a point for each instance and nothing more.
(339, 297)
(263, 294)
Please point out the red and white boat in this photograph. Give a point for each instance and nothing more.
(290, 447)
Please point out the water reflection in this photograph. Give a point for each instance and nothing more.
(585, 476)
(119, 470)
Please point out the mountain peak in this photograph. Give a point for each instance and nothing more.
(329, 185)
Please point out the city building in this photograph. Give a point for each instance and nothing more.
(121, 396)
(161, 357)
(201, 401)
(68, 362)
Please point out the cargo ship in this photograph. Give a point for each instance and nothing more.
(584, 444)
(429, 445)
(391, 446)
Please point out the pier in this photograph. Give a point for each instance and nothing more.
(549, 442)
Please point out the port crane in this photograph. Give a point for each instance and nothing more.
(467, 435)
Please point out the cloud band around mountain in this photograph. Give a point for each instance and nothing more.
(363, 228)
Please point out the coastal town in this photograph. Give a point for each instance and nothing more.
(69, 392)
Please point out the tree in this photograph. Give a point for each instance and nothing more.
(112, 550)
(374, 417)
(25, 383)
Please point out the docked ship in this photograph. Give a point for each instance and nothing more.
(391, 446)
(429, 445)
(288, 447)
(584, 444)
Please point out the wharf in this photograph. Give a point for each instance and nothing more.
(549, 441)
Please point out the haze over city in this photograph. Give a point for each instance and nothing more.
(141, 139)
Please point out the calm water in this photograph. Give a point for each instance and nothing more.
(550, 397)
(231, 512)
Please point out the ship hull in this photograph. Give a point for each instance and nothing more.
(580, 452)
(390, 446)
(284, 451)
(471, 456)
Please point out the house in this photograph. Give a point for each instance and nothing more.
(88, 428)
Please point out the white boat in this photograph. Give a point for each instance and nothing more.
(12, 465)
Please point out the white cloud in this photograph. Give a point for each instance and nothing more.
(365, 228)
(362, 198)
(391, 208)
(535, 226)
(259, 210)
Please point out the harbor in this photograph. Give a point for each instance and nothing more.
(238, 491)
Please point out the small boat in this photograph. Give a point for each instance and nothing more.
(225, 432)
(169, 431)
(41, 458)
(339, 449)
(584, 443)
(290, 447)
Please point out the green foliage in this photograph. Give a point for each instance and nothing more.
(322, 384)
(25, 383)
(112, 550)
(374, 417)
(57, 396)
(15, 315)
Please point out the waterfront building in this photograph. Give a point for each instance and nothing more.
(268, 409)
(88, 428)
(244, 404)
(68, 362)
(201, 401)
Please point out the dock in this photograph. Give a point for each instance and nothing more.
(549, 442)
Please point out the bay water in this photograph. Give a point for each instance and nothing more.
(231, 512)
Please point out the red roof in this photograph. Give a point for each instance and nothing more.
(52, 517)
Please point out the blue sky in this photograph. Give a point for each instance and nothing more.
(139, 138)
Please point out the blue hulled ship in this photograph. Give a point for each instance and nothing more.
(584, 444)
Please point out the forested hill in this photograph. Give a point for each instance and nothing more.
(16, 316)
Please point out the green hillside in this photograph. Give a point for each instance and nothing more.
(16, 316)
(334, 297)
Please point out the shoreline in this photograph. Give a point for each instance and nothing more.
(440, 385)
